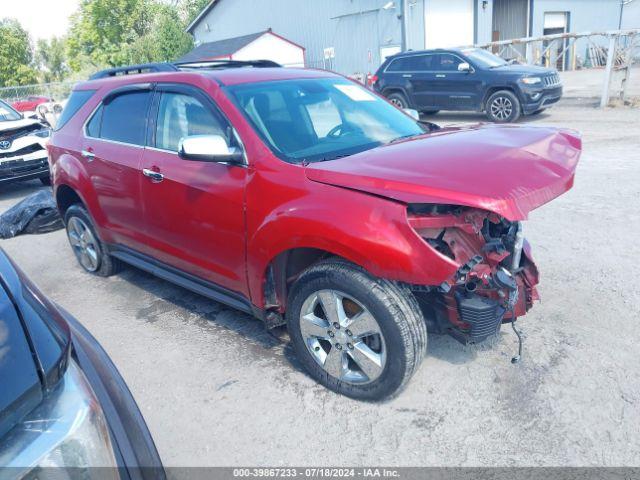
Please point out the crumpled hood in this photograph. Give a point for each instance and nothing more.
(509, 170)
(16, 124)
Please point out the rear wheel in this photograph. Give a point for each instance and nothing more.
(87, 247)
(503, 107)
(399, 100)
(358, 335)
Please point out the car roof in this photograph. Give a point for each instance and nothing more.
(222, 76)
(408, 53)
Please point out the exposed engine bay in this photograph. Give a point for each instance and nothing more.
(496, 279)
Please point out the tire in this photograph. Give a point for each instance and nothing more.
(502, 107)
(78, 221)
(429, 112)
(398, 346)
(399, 100)
(45, 180)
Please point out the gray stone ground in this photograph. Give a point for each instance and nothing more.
(217, 389)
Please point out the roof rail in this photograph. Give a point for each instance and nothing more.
(134, 69)
(215, 64)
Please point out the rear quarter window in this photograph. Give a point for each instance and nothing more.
(75, 102)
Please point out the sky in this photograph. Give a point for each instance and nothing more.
(41, 18)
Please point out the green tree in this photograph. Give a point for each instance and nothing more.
(118, 32)
(166, 39)
(102, 31)
(51, 59)
(16, 55)
(190, 9)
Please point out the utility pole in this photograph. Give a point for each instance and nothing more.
(403, 24)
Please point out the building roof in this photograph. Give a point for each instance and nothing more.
(219, 48)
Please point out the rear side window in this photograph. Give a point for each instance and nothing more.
(124, 119)
(75, 102)
(415, 63)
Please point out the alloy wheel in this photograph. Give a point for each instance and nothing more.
(501, 108)
(343, 337)
(84, 243)
(397, 102)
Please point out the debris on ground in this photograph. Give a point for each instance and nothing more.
(36, 213)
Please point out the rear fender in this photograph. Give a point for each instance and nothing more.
(69, 171)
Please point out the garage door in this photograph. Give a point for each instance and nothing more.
(448, 23)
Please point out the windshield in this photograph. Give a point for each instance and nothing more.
(308, 120)
(7, 113)
(484, 58)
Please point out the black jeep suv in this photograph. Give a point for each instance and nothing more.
(469, 79)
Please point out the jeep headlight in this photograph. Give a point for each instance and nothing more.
(531, 80)
(68, 430)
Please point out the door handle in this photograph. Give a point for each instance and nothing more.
(407, 75)
(153, 175)
(89, 155)
(441, 75)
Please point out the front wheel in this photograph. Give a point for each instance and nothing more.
(503, 107)
(358, 335)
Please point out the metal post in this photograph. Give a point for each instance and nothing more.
(529, 52)
(611, 55)
(403, 24)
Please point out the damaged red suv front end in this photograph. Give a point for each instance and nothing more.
(496, 277)
(467, 201)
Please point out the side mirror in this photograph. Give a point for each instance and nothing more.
(209, 148)
(464, 67)
(412, 113)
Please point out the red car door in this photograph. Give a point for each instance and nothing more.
(193, 210)
(112, 150)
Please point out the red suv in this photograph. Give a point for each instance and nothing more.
(303, 198)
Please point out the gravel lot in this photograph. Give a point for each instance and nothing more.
(217, 389)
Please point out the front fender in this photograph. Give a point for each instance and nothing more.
(369, 231)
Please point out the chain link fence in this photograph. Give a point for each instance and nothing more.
(45, 100)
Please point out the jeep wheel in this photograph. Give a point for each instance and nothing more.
(45, 180)
(86, 245)
(399, 100)
(358, 335)
(503, 107)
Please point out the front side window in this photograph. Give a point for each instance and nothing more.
(445, 62)
(181, 116)
(7, 113)
(124, 119)
(320, 119)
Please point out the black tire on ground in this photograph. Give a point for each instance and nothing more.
(45, 180)
(394, 309)
(107, 265)
(429, 112)
(398, 99)
(503, 107)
